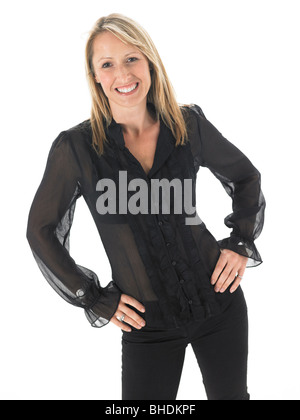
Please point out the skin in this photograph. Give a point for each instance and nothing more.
(120, 65)
(126, 67)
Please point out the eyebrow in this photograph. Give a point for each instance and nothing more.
(110, 58)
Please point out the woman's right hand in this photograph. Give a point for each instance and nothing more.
(131, 317)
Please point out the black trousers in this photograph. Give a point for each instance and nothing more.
(152, 360)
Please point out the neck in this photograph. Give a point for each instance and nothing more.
(134, 120)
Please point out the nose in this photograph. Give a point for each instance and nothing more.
(122, 74)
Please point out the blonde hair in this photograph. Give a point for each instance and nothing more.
(161, 93)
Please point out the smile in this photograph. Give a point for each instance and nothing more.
(127, 90)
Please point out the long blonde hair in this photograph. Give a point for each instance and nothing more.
(161, 93)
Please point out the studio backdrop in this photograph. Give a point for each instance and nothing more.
(239, 60)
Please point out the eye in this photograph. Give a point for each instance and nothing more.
(132, 59)
(106, 65)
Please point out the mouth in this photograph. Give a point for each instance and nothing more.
(128, 90)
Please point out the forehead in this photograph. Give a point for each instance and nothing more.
(109, 45)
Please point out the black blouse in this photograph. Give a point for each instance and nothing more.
(165, 261)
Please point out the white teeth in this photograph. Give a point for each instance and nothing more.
(128, 90)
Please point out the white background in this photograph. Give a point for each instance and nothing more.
(237, 59)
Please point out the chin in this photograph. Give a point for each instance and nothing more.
(131, 102)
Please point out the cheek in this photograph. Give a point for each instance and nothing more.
(144, 73)
(105, 80)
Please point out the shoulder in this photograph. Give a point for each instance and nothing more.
(193, 116)
(192, 110)
(77, 136)
(82, 130)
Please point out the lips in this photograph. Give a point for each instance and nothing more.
(127, 89)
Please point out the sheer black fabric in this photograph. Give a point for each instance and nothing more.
(159, 259)
(242, 183)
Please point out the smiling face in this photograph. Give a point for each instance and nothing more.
(122, 70)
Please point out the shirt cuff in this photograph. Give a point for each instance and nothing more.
(106, 305)
(244, 247)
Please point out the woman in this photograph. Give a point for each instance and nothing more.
(172, 283)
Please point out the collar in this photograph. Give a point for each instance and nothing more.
(165, 143)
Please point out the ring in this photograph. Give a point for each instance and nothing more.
(121, 318)
(240, 276)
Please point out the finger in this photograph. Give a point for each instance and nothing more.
(129, 300)
(242, 270)
(137, 320)
(235, 285)
(133, 323)
(229, 281)
(222, 262)
(127, 323)
(120, 324)
(228, 275)
(224, 278)
(238, 280)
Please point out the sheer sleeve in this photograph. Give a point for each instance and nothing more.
(48, 233)
(242, 182)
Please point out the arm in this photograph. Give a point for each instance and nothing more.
(242, 182)
(48, 233)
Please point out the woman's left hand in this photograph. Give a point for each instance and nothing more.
(230, 265)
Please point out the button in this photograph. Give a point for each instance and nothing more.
(80, 293)
(190, 302)
(182, 281)
(174, 263)
(168, 244)
(160, 223)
